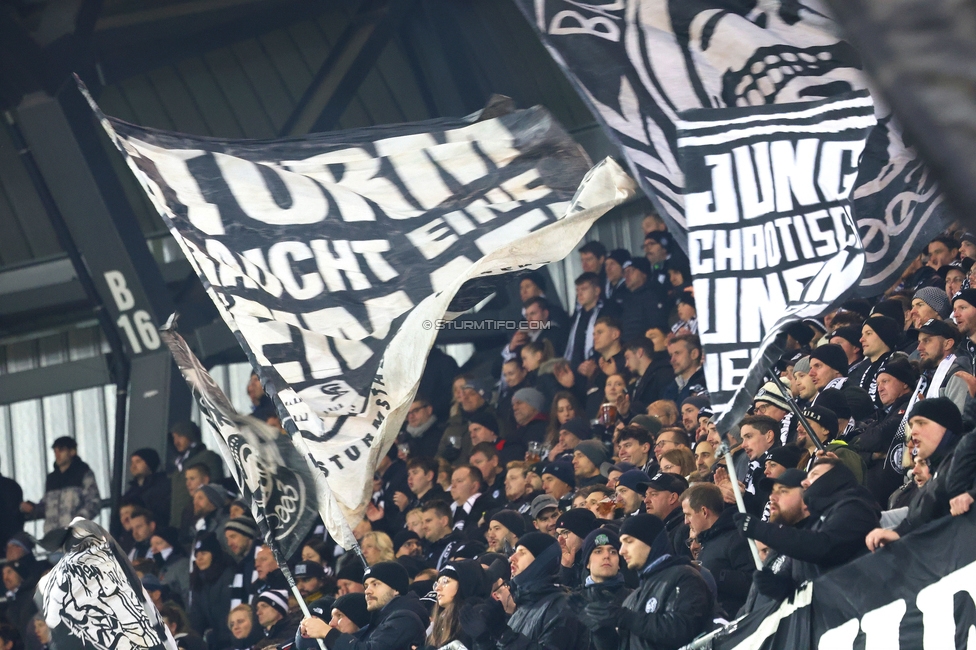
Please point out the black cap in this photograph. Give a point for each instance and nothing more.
(945, 329)
(309, 570)
(354, 607)
(666, 482)
(791, 478)
(641, 264)
(822, 416)
(578, 521)
(788, 456)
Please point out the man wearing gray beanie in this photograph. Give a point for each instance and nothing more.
(668, 584)
(929, 303)
(530, 408)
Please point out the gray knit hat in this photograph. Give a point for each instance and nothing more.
(532, 397)
(803, 365)
(936, 299)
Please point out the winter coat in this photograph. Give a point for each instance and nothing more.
(842, 513)
(670, 607)
(68, 494)
(641, 309)
(650, 386)
(962, 474)
(932, 499)
(694, 386)
(11, 518)
(175, 572)
(154, 494)
(210, 605)
(544, 613)
(779, 565)
(179, 497)
(726, 554)
(881, 477)
(400, 625)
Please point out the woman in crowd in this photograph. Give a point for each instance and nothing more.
(458, 583)
(678, 461)
(564, 408)
(377, 547)
(534, 354)
(244, 628)
(211, 574)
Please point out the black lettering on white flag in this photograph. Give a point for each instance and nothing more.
(640, 63)
(331, 256)
(770, 235)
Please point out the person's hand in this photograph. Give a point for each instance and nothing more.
(479, 618)
(623, 404)
(373, 513)
(746, 523)
(401, 500)
(313, 627)
(520, 338)
(588, 368)
(970, 381)
(601, 614)
(960, 505)
(880, 537)
(564, 374)
(27, 507)
(827, 454)
(557, 449)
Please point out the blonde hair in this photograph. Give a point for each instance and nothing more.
(243, 607)
(383, 544)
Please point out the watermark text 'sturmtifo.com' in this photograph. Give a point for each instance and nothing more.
(486, 324)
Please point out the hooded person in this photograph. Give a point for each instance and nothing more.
(211, 576)
(149, 485)
(461, 582)
(936, 429)
(398, 620)
(544, 612)
(671, 605)
(841, 514)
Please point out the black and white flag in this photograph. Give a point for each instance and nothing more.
(332, 257)
(92, 599)
(641, 63)
(770, 236)
(918, 592)
(270, 472)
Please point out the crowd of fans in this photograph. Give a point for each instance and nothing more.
(578, 496)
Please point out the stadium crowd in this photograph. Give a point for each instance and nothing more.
(578, 496)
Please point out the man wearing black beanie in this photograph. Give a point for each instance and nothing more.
(879, 336)
(936, 428)
(544, 614)
(828, 366)
(671, 605)
(398, 620)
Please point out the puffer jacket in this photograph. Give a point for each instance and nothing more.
(68, 494)
(842, 513)
(932, 500)
(670, 607)
(544, 615)
(400, 625)
(726, 555)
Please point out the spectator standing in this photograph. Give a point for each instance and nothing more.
(589, 307)
(689, 374)
(190, 451)
(643, 306)
(211, 576)
(615, 288)
(150, 486)
(70, 490)
(422, 430)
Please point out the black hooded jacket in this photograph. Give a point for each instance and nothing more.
(544, 615)
(932, 499)
(880, 476)
(842, 513)
(726, 554)
(400, 625)
(670, 607)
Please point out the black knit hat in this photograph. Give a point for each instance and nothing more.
(940, 410)
(644, 527)
(598, 537)
(536, 542)
(278, 599)
(187, 429)
(169, 534)
(391, 574)
(578, 521)
(788, 455)
(351, 570)
(149, 456)
(619, 255)
(641, 264)
(322, 608)
(969, 295)
(901, 369)
(849, 333)
(207, 542)
(834, 400)
(887, 329)
(485, 419)
(833, 356)
(470, 576)
(511, 520)
(563, 471)
(354, 608)
(402, 537)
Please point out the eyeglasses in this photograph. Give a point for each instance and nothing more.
(443, 581)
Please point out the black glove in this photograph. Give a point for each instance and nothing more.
(480, 618)
(746, 523)
(774, 585)
(600, 615)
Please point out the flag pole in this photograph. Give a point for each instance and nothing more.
(730, 468)
(294, 587)
(787, 395)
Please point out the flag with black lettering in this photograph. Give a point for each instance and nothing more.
(272, 476)
(640, 63)
(915, 593)
(92, 599)
(770, 235)
(332, 257)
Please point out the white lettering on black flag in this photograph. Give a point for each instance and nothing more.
(327, 255)
(770, 236)
(271, 474)
(640, 63)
